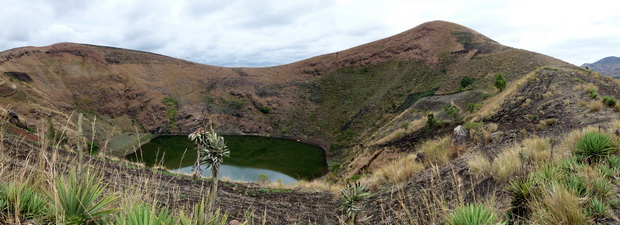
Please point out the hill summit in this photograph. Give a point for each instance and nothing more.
(608, 66)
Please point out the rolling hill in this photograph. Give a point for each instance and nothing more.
(608, 66)
(384, 112)
(326, 100)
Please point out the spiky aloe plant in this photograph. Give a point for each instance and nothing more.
(200, 216)
(212, 148)
(353, 195)
(145, 215)
(521, 191)
(593, 147)
(472, 214)
(80, 199)
(21, 200)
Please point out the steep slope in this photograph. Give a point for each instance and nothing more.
(608, 66)
(332, 100)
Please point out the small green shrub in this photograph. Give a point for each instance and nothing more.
(356, 177)
(265, 109)
(466, 81)
(80, 199)
(173, 107)
(263, 179)
(473, 107)
(577, 185)
(593, 147)
(548, 173)
(614, 203)
(430, 121)
(597, 208)
(605, 171)
(570, 165)
(200, 216)
(353, 196)
(593, 93)
(144, 215)
(614, 162)
(500, 82)
(93, 147)
(472, 214)
(602, 188)
(22, 199)
(609, 100)
(521, 191)
(453, 111)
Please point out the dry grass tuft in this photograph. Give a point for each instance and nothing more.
(586, 88)
(395, 172)
(507, 163)
(479, 165)
(583, 103)
(482, 134)
(558, 205)
(437, 151)
(537, 150)
(314, 185)
(595, 106)
(542, 124)
(526, 103)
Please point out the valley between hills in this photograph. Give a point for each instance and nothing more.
(369, 108)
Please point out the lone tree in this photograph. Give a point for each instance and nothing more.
(466, 81)
(212, 150)
(500, 82)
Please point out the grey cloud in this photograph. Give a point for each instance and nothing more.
(272, 32)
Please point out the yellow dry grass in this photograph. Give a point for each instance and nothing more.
(537, 150)
(546, 123)
(595, 106)
(437, 151)
(394, 133)
(507, 163)
(396, 172)
(314, 185)
(479, 165)
(586, 88)
(557, 205)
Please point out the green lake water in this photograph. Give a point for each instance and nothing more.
(250, 156)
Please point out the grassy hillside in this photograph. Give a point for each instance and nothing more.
(370, 106)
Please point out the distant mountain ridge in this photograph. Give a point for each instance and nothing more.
(608, 66)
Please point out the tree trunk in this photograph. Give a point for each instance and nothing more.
(197, 170)
(213, 190)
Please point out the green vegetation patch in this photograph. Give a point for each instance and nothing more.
(173, 108)
(356, 97)
(413, 98)
(464, 38)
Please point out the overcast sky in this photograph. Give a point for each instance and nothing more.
(266, 33)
